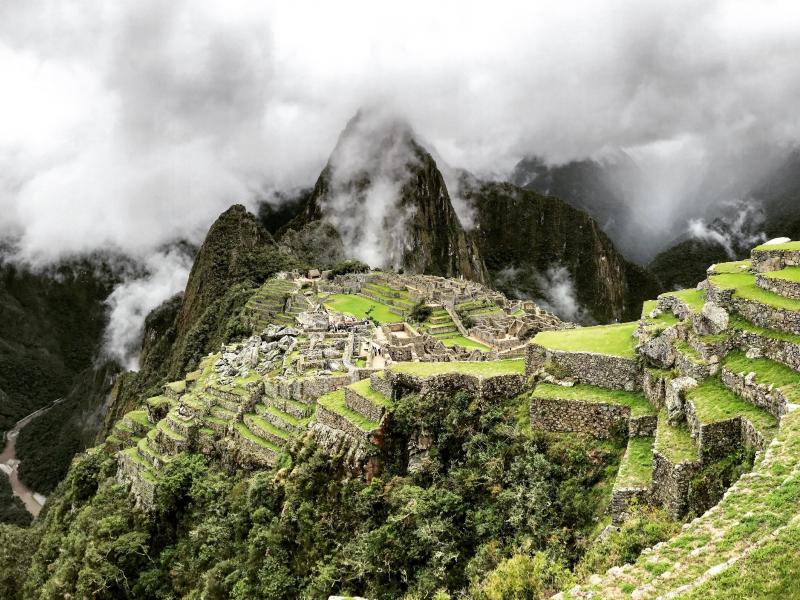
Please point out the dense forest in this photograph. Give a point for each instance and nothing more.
(493, 505)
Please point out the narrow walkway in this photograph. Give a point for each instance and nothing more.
(9, 463)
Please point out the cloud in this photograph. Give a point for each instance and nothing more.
(164, 274)
(128, 125)
(737, 234)
(558, 295)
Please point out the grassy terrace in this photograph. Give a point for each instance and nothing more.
(787, 274)
(139, 417)
(615, 340)
(675, 443)
(737, 266)
(791, 246)
(744, 286)
(246, 433)
(714, 402)
(737, 323)
(361, 308)
(450, 340)
(691, 297)
(480, 369)
(267, 426)
(287, 417)
(334, 402)
(588, 393)
(767, 372)
(362, 388)
(689, 352)
(636, 468)
(662, 321)
(145, 469)
(757, 506)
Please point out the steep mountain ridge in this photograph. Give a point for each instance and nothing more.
(384, 195)
(522, 235)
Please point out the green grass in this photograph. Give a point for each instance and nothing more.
(334, 402)
(362, 388)
(675, 442)
(267, 426)
(489, 368)
(767, 372)
(737, 266)
(359, 307)
(714, 402)
(459, 340)
(636, 468)
(164, 427)
(791, 246)
(177, 386)
(246, 433)
(287, 417)
(739, 324)
(744, 286)
(662, 321)
(691, 297)
(140, 418)
(689, 352)
(146, 470)
(614, 340)
(787, 274)
(589, 393)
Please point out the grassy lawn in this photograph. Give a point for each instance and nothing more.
(662, 321)
(693, 298)
(460, 340)
(689, 352)
(714, 402)
(674, 442)
(334, 402)
(744, 286)
(363, 388)
(588, 393)
(737, 266)
(786, 246)
(615, 340)
(787, 274)
(361, 307)
(636, 468)
(479, 369)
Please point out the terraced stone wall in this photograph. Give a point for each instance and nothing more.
(763, 396)
(670, 487)
(782, 287)
(774, 260)
(621, 499)
(612, 372)
(487, 389)
(600, 420)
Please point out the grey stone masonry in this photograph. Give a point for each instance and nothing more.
(777, 285)
(487, 389)
(783, 351)
(337, 421)
(654, 384)
(621, 499)
(758, 313)
(774, 260)
(766, 396)
(600, 420)
(355, 401)
(380, 383)
(718, 439)
(670, 487)
(603, 370)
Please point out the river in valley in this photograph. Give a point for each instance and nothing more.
(9, 463)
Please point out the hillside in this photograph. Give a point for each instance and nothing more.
(382, 195)
(522, 235)
(356, 426)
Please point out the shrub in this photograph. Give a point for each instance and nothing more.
(523, 577)
(420, 312)
(349, 266)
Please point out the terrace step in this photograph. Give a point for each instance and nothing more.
(264, 429)
(284, 421)
(222, 413)
(259, 451)
(765, 383)
(634, 478)
(785, 282)
(361, 398)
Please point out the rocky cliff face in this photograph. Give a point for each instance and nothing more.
(384, 195)
(540, 247)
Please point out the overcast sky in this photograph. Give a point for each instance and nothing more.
(128, 124)
(132, 122)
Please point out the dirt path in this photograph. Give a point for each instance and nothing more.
(9, 463)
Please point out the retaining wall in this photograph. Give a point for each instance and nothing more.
(613, 372)
(782, 287)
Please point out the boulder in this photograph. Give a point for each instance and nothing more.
(674, 398)
(713, 319)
